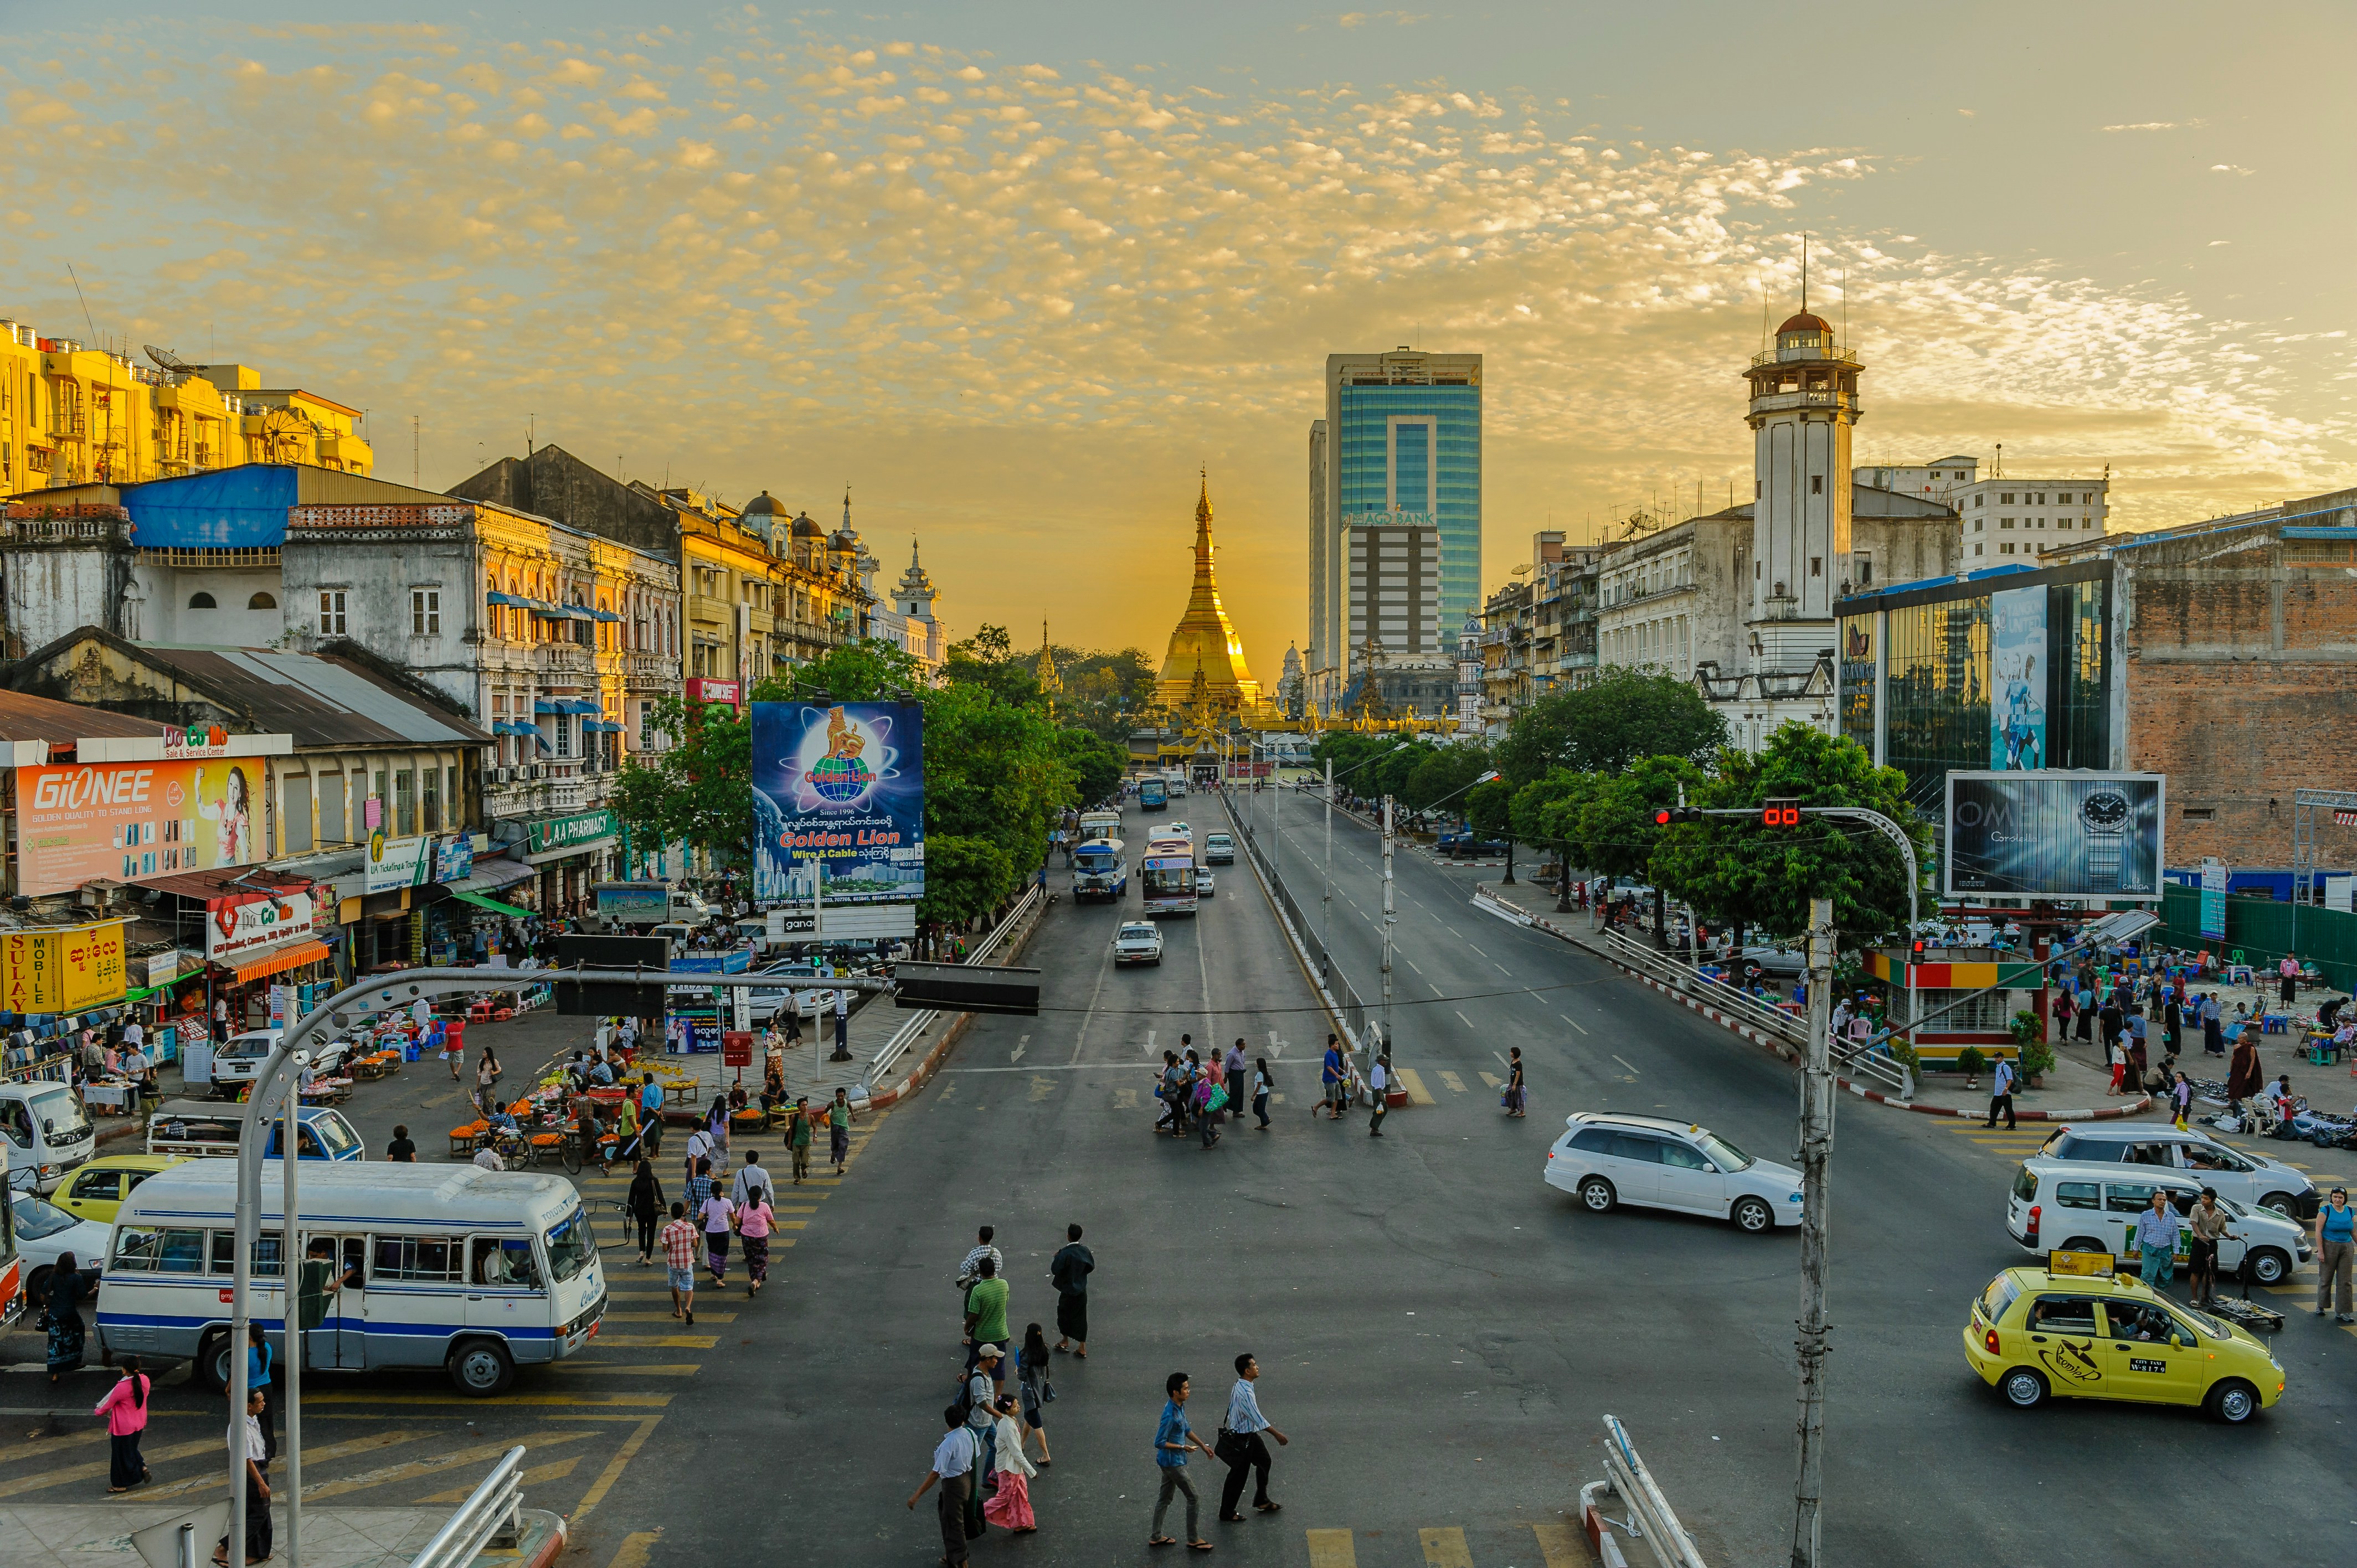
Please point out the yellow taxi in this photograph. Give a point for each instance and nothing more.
(96, 1190)
(2077, 1330)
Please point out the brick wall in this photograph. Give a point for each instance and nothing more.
(2241, 663)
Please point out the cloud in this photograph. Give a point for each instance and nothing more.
(1016, 306)
(2230, 168)
(2160, 126)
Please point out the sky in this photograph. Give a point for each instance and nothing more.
(1013, 272)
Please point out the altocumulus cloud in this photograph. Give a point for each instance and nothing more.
(735, 247)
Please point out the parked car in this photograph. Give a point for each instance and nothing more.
(1137, 941)
(1655, 1163)
(237, 1061)
(45, 1233)
(1460, 844)
(98, 1188)
(2237, 1173)
(1768, 960)
(2070, 1207)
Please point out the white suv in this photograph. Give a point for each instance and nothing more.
(1139, 941)
(1655, 1163)
(2064, 1206)
(2247, 1179)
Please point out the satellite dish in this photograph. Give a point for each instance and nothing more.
(167, 360)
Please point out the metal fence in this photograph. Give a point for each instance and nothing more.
(2259, 932)
(906, 1034)
(1357, 1018)
(492, 1514)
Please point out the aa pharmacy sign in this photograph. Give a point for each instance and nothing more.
(570, 833)
(236, 926)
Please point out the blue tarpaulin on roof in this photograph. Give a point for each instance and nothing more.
(237, 507)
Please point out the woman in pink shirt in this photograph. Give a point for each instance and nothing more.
(755, 1220)
(125, 1409)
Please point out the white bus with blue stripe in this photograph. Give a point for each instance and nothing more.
(477, 1271)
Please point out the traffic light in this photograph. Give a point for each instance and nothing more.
(1664, 815)
(1780, 813)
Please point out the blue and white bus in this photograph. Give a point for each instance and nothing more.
(1101, 870)
(1167, 874)
(474, 1271)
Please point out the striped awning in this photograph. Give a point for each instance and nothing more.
(294, 955)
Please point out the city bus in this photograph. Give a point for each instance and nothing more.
(475, 1272)
(1153, 794)
(1101, 870)
(1167, 873)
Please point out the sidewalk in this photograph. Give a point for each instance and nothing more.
(98, 1535)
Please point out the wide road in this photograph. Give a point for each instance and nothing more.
(1683, 1329)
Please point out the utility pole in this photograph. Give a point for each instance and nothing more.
(292, 1342)
(1816, 1151)
(1387, 926)
(1326, 899)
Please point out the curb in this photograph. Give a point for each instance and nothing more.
(549, 1549)
(1779, 1048)
(884, 1098)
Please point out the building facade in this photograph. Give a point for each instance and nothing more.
(2002, 517)
(1394, 589)
(72, 415)
(1400, 445)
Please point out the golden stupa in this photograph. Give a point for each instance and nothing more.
(1204, 646)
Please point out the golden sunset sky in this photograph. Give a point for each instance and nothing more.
(1014, 270)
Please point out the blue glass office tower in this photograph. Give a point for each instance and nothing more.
(1399, 445)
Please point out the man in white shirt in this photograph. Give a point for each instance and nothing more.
(954, 1462)
(749, 1178)
(841, 1027)
(245, 1445)
(1379, 1083)
(1240, 1445)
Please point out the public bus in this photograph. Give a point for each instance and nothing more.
(1167, 874)
(1153, 794)
(474, 1271)
(1101, 870)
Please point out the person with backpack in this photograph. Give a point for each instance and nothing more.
(1331, 1075)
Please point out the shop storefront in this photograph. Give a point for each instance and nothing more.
(479, 919)
(569, 856)
(255, 941)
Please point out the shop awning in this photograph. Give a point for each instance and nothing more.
(496, 597)
(481, 902)
(491, 875)
(295, 955)
(564, 705)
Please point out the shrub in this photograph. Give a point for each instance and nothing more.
(1970, 1062)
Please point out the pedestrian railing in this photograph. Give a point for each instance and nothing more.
(1651, 1518)
(1356, 1018)
(917, 1023)
(491, 1515)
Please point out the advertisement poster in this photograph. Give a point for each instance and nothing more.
(133, 822)
(2018, 682)
(2213, 900)
(2054, 835)
(839, 793)
(455, 860)
(66, 970)
(237, 927)
(397, 863)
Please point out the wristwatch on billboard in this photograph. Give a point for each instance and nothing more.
(2105, 812)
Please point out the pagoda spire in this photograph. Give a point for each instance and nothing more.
(1204, 641)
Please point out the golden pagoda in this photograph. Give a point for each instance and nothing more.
(1203, 647)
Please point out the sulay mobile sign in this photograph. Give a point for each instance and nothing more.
(65, 970)
(839, 792)
(132, 821)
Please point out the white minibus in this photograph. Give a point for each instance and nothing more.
(477, 1271)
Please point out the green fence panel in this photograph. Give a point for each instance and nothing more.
(2262, 930)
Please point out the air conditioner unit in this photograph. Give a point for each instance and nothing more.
(502, 775)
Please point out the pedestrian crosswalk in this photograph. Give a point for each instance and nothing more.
(1560, 1544)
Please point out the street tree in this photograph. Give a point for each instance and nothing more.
(1600, 727)
(1615, 832)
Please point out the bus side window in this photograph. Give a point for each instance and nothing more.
(505, 1263)
(266, 1254)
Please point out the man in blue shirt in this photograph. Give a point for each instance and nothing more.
(1245, 1451)
(1331, 1076)
(1171, 1441)
(953, 1463)
(2155, 1236)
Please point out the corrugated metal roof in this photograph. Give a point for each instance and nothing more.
(24, 718)
(318, 700)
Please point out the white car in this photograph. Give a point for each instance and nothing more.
(1137, 941)
(1202, 883)
(238, 1060)
(2238, 1174)
(1655, 1163)
(45, 1233)
(2074, 1206)
(1219, 849)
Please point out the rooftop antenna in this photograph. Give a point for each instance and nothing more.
(85, 304)
(1845, 288)
(1804, 273)
(2000, 459)
(1764, 308)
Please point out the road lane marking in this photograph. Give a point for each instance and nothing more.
(1460, 1018)
(433, 1464)
(1494, 1080)
(659, 1316)
(612, 1472)
(23, 1483)
(1624, 1061)
(1566, 1018)
(310, 1456)
(1477, 950)
(1455, 1083)
(1561, 1545)
(632, 1553)
(1442, 1548)
(655, 1341)
(1104, 966)
(638, 1368)
(1020, 1046)
(628, 1401)
(1409, 962)
(1331, 1549)
(1437, 991)
(1149, 1049)
(1414, 1083)
(1500, 968)
(539, 1475)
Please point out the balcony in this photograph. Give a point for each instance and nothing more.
(563, 659)
(650, 669)
(1806, 354)
(759, 619)
(710, 610)
(1809, 397)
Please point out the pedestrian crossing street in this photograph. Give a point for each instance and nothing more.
(397, 1439)
(1556, 1544)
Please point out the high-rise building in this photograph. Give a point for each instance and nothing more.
(1400, 447)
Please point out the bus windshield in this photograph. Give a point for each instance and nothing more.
(570, 1246)
(1095, 860)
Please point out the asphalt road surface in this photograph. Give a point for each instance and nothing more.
(1440, 1332)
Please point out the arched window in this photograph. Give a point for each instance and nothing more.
(201, 602)
(261, 601)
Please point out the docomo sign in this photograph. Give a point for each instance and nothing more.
(235, 927)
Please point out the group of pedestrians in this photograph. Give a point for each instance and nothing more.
(1339, 1083)
(1198, 1091)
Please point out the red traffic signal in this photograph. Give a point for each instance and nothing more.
(1664, 815)
(1784, 812)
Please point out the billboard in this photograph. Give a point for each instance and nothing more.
(237, 927)
(397, 863)
(2018, 680)
(839, 793)
(63, 970)
(133, 822)
(2053, 835)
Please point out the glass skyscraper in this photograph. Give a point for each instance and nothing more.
(1399, 445)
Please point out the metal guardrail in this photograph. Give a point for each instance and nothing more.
(1355, 1016)
(491, 1515)
(1650, 1518)
(906, 1034)
(1869, 1059)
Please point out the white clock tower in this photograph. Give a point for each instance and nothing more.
(1803, 403)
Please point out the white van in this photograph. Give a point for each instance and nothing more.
(46, 1131)
(2247, 1179)
(477, 1271)
(2070, 1207)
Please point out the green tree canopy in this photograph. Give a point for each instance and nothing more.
(1547, 810)
(1096, 763)
(699, 791)
(1615, 832)
(1439, 772)
(1600, 727)
(1730, 868)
